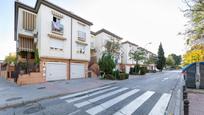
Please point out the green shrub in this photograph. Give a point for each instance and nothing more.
(126, 76)
(131, 70)
(109, 76)
(23, 65)
(123, 76)
(137, 68)
(143, 70)
(116, 74)
(106, 63)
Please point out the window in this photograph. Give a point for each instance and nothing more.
(29, 21)
(54, 19)
(57, 45)
(81, 36)
(56, 25)
(81, 49)
(81, 31)
(92, 44)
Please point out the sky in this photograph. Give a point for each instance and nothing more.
(138, 21)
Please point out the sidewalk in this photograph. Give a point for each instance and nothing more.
(13, 95)
(196, 98)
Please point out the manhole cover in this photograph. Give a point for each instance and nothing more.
(41, 87)
(32, 110)
(14, 98)
(67, 83)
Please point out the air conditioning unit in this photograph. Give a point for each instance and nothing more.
(35, 40)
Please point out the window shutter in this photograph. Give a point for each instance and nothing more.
(29, 21)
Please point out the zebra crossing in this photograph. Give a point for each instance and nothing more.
(99, 100)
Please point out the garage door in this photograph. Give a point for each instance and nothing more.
(56, 71)
(77, 70)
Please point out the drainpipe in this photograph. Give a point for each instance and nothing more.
(197, 75)
(71, 39)
(70, 53)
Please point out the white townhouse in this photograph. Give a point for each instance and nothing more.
(99, 40)
(126, 60)
(126, 48)
(61, 37)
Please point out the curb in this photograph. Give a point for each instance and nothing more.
(24, 102)
(175, 104)
(199, 91)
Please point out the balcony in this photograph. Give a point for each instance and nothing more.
(57, 28)
(26, 43)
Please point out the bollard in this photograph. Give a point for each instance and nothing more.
(185, 95)
(184, 88)
(186, 107)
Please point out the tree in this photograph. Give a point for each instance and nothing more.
(106, 63)
(194, 32)
(173, 60)
(37, 59)
(161, 61)
(137, 55)
(193, 56)
(195, 26)
(151, 60)
(112, 47)
(170, 61)
(10, 59)
(177, 59)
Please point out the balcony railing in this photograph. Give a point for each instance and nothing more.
(57, 27)
(26, 44)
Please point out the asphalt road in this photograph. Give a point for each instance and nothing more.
(147, 95)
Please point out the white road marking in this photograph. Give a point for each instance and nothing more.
(160, 107)
(165, 79)
(84, 92)
(74, 112)
(81, 104)
(88, 95)
(135, 104)
(111, 102)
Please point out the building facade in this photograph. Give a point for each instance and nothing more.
(126, 48)
(60, 38)
(99, 40)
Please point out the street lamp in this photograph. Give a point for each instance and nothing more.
(147, 44)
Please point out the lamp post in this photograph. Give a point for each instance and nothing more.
(147, 44)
